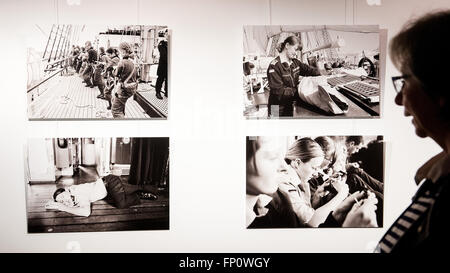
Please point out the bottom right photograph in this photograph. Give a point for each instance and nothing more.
(314, 181)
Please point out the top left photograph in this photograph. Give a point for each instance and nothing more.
(93, 72)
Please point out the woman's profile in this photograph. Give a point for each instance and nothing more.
(423, 91)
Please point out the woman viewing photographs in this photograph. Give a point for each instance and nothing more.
(424, 94)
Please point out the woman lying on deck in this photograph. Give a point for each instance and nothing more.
(77, 199)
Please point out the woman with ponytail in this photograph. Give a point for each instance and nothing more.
(283, 76)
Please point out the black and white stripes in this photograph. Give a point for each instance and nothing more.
(410, 216)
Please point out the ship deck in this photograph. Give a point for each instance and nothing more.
(69, 99)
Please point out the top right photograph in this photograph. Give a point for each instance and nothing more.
(320, 71)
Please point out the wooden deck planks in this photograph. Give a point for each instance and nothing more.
(102, 204)
(154, 224)
(149, 215)
(83, 103)
(95, 212)
(129, 109)
(95, 219)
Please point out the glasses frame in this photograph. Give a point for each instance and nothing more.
(397, 79)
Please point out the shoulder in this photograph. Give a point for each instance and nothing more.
(275, 61)
(438, 216)
(273, 66)
(82, 200)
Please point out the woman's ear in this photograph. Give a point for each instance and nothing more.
(295, 163)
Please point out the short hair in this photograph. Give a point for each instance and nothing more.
(110, 50)
(57, 192)
(292, 40)
(304, 149)
(356, 139)
(414, 46)
(125, 47)
(102, 49)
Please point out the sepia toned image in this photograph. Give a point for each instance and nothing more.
(311, 71)
(89, 72)
(97, 184)
(315, 181)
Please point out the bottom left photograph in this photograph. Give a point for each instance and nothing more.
(97, 184)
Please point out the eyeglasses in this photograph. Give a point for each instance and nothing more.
(399, 82)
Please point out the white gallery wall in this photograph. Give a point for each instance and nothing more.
(206, 127)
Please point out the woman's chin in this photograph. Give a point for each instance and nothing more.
(421, 133)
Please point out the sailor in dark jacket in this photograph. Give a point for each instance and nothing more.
(162, 69)
(283, 76)
(92, 59)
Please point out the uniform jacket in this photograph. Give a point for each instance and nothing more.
(279, 214)
(162, 66)
(284, 78)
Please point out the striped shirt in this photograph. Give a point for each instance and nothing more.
(413, 229)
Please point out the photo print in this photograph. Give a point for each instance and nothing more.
(314, 181)
(311, 71)
(88, 72)
(97, 184)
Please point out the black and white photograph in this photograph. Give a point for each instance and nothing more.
(90, 72)
(97, 184)
(314, 181)
(330, 71)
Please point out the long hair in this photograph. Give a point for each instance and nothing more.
(304, 149)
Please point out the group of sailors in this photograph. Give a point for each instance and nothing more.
(315, 183)
(115, 72)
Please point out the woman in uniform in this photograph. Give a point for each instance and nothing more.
(283, 76)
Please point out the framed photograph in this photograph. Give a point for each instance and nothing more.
(97, 184)
(319, 71)
(315, 181)
(90, 72)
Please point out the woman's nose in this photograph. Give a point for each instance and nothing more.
(399, 98)
(282, 165)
